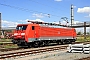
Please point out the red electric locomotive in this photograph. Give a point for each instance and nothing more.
(40, 34)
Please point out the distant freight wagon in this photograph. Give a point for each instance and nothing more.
(42, 34)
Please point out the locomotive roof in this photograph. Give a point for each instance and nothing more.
(28, 24)
(43, 25)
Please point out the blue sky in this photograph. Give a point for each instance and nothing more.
(19, 11)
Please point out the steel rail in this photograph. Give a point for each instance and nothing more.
(32, 51)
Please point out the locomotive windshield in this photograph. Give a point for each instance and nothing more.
(21, 27)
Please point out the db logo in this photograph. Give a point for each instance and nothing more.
(58, 32)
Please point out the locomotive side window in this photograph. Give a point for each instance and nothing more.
(33, 27)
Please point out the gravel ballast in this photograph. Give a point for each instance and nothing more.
(55, 55)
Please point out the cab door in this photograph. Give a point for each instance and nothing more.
(35, 31)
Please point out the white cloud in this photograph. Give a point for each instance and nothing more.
(39, 20)
(6, 23)
(58, 0)
(84, 10)
(38, 15)
(41, 15)
(78, 23)
(26, 21)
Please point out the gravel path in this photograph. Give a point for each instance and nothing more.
(68, 56)
(56, 55)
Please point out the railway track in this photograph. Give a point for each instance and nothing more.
(31, 51)
(11, 49)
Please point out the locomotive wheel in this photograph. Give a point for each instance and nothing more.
(36, 44)
(42, 43)
(62, 42)
(29, 45)
(21, 46)
(46, 43)
(58, 43)
(67, 41)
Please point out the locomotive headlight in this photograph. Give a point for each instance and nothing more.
(15, 33)
(22, 33)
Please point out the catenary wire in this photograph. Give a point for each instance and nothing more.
(45, 5)
(27, 10)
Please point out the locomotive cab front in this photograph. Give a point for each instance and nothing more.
(25, 34)
(19, 34)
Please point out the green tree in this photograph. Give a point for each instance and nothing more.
(79, 33)
(88, 33)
